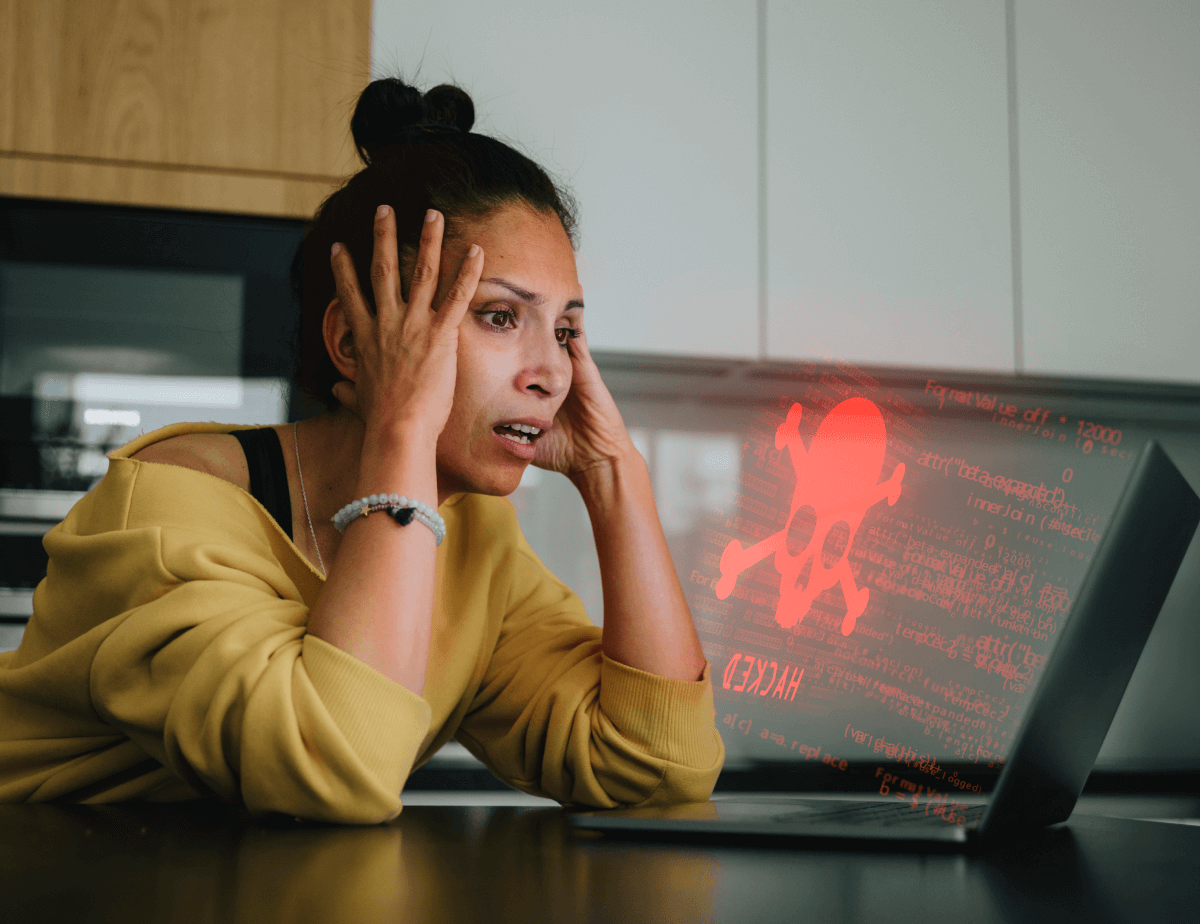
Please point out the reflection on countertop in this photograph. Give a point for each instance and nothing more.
(479, 861)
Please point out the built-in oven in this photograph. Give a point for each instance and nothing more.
(115, 321)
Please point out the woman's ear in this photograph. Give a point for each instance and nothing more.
(339, 340)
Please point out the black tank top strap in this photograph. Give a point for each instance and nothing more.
(268, 474)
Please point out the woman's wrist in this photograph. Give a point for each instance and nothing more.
(400, 461)
(602, 483)
(401, 433)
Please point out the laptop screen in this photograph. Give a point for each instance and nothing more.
(890, 575)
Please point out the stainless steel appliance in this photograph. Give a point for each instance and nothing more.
(115, 321)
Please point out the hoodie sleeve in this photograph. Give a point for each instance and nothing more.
(208, 668)
(555, 717)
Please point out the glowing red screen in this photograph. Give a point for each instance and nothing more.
(890, 578)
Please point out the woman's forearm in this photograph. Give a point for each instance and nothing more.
(377, 603)
(647, 624)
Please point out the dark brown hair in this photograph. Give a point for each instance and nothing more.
(419, 153)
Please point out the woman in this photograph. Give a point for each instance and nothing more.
(187, 641)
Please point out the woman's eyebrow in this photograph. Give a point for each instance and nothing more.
(526, 295)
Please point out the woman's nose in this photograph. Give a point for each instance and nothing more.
(546, 369)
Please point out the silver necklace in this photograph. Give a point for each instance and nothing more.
(304, 494)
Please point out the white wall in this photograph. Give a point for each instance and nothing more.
(889, 233)
(1109, 124)
(889, 188)
(648, 112)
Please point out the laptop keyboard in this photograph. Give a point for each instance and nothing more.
(882, 814)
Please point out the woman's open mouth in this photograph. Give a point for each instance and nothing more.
(519, 433)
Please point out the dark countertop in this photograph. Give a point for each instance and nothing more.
(206, 862)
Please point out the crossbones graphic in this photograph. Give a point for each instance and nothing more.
(836, 482)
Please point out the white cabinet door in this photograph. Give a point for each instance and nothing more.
(889, 231)
(1110, 187)
(648, 112)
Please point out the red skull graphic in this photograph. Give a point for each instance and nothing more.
(836, 481)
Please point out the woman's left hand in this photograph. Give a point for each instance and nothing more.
(647, 624)
(588, 429)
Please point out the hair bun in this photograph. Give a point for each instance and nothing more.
(389, 110)
(448, 105)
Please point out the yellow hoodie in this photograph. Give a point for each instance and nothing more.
(167, 659)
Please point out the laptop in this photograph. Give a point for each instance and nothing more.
(1057, 741)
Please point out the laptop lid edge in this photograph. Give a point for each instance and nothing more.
(1119, 600)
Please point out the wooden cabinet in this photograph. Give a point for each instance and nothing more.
(888, 209)
(227, 105)
(1110, 187)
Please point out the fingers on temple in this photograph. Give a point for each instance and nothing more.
(577, 346)
(385, 274)
(451, 312)
(425, 271)
(346, 283)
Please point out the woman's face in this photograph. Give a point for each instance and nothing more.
(513, 362)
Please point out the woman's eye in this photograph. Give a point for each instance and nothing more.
(500, 319)
(565, 335)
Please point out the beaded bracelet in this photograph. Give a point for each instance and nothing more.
(400, 508)
(401, 514)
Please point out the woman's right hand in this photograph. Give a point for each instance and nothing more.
(405, 354)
